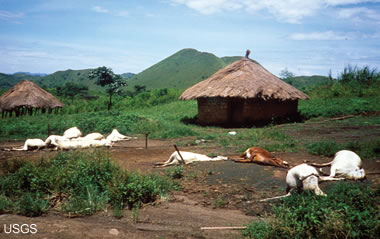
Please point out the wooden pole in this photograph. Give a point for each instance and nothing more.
(223, 228)
(183, 161)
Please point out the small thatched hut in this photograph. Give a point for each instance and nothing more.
(26, 96)
(242, 93)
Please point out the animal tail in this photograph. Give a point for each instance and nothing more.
(159, 164)
(278, 197)
(321, 164)
(21, 148)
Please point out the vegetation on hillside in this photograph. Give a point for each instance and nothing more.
(8, 81)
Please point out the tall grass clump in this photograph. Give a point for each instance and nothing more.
(349, 211)
(328, 148)
(77, 183)
(355, 90)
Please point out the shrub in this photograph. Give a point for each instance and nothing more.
(88, 202)
(349, 211)
(175, 172)
(258, 229)
(31, 206)
(89, 180)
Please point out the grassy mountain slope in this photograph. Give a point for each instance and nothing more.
(307, 82)
(181, 70)
(59, 78)
(8, 81)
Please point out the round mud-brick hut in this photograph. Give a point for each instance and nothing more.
(243, 93)
(25, 98)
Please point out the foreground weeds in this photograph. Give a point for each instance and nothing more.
(76, 183)
(349, 211)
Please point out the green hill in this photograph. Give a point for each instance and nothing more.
(181, 70)
(307, 82)
(7, 81)
(59, 78)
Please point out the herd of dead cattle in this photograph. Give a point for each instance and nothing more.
(345, 165)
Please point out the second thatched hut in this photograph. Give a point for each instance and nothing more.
(243, 93)
(27, 97)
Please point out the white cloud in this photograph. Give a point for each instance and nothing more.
(347, 2)
(99, 9)
(359, 14)
(122, 13)
(10, 16)
(322, 36)
(292, 11)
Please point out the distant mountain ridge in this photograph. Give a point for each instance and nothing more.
(29, 73)
(180, 70)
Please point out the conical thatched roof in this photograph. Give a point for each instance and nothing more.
(244, 79)
(28, 94)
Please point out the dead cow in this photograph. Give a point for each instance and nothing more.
(31, 144)
(346, 164)
(303, 177)
(188, 157)
(261, 156)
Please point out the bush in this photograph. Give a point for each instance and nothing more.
(89, 181)
(349, 211)
(31, 206)
(258, 229)
(175, 172)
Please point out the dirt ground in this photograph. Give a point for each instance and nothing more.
(214, 194)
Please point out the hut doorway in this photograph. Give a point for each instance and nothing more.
(235, 111)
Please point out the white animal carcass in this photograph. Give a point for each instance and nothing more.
(30, 144)
(116, 136)
(303, 177)
(52, 140)
(345, 164)
(188, 157)
(73, 132)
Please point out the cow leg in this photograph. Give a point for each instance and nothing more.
(329, 178)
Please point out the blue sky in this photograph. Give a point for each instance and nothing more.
(306, 37)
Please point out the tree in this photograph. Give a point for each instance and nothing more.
(106, 78)
(287, 76)
(146, 126)
(71, 89)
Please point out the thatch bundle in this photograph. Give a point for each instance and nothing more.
(26, 96)
(245, 79)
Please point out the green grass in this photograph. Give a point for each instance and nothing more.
(349, 211)
(86, 182)
(328, 148)
(330, 107)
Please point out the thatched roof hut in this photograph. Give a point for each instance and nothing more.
(26, 96)
(243, 92)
